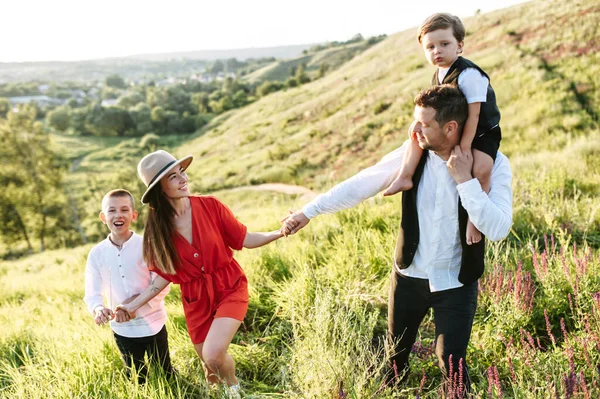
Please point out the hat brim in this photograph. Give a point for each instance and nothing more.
(184, 162)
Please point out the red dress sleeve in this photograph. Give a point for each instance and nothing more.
(234, 232)
(168, 277)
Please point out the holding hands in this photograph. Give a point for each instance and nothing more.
(121, 314)
(293, 223)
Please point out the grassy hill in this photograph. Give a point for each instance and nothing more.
(333, 57)
(317, 317)
(545, 76)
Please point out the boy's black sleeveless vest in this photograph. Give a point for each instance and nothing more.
(471, 266)
(489, 115)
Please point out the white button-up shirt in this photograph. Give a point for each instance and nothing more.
(118, 274)
(439, 253)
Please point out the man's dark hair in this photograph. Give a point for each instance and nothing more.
(447, 101)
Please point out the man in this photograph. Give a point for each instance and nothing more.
(436, 269)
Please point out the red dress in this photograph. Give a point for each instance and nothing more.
(212, 283)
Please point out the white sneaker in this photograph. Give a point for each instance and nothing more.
(234, 391)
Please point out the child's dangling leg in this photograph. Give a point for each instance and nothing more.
(482, 171)
(403, 182)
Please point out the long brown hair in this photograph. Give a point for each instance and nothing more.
(159, 248)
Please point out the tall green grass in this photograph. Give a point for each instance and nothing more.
(316, 325)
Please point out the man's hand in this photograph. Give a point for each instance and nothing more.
(460, 165)
(293, 223)
(103, 315)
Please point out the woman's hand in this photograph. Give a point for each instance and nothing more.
(130, 305)
(121, 316)
(124, 313)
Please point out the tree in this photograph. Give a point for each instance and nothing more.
(110, 93)
(59, 119)
(200, 100)
(216, 67)
(173, 121)
(130, 99)
(301, 76)
(230, 85)
(268, 87)
(4, 107)
(111, 121)
(159, 119)
(232, 64)
(79, 117)
(142, 118)
(115, 81)
(240, 98)
(291, 82)
(225, 104)
(188, 123)
(155, 96)
(323, 69)
(356, 38)
(32, 199)
(12, 225)
(178, 100)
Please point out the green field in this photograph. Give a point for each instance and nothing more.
(318, 300)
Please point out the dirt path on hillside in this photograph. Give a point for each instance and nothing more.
(75, 164)
(280, 188)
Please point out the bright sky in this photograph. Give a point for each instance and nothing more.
(66, 30)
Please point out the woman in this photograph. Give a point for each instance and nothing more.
(188, 240)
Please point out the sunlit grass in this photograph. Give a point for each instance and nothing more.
(316, 323)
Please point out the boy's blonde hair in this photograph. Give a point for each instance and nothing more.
(119, 192)
(442, 21)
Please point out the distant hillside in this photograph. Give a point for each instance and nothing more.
(544, 65)
(136, 66)
(241, 54)
(331, 57)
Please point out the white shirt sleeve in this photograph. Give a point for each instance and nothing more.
(93, 284)
(473, 85)
(359, 187)
(491, 214)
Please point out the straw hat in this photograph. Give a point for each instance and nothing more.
(156, 165)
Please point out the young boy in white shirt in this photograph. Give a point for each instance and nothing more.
(115, 270)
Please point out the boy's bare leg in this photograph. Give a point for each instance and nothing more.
(411, 160)
(482, 170)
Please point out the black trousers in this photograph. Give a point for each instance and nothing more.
(134, 349)
(453, 312)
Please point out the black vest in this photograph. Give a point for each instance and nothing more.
(489, 115)
(471, 267)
